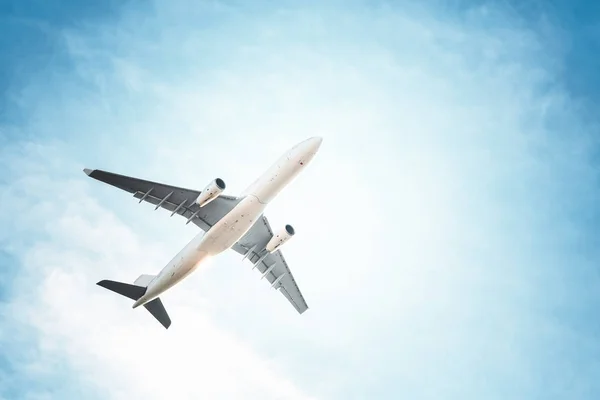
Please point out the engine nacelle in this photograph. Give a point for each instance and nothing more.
(280, 238)
(210, 192)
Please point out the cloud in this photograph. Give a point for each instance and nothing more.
(55, 296)
(434, 226)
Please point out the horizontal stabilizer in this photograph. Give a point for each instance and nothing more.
(156, 308)
(132, 291)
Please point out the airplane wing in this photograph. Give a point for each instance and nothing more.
(177, 200)
(272, 265)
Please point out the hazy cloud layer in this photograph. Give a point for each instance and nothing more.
(444, 241)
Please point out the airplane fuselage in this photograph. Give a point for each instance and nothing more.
(235, 224)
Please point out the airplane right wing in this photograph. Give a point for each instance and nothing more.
(177, 200)
(272, 265)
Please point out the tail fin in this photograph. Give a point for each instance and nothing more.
(134, 292)
(144, 280)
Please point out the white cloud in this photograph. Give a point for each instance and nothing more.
(118, 350)
(414, 245)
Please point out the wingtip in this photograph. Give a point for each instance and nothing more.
(88, 171)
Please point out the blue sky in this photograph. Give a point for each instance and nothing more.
(446, 232)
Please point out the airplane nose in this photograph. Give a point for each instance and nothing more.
(306, 149)
(315, 143)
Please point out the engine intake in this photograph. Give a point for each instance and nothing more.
(280, 238)
(210, 192)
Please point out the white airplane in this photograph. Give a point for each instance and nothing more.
(226, 222)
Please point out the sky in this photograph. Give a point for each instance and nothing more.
(446, 232)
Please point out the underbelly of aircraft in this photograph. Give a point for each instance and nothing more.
(232, 226)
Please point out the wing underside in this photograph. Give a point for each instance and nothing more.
(177, 200)
(181, 201)
(272, 266)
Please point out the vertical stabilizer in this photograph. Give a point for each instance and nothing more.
(144, 280)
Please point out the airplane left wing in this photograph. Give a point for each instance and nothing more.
(272, 265)
(177, 200)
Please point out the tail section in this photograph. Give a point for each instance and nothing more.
(135, 292)
(144, 280)
(156, 308)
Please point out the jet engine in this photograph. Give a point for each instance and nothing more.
(280, 238)
(210, 192)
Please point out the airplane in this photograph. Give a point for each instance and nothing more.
(226, 222)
